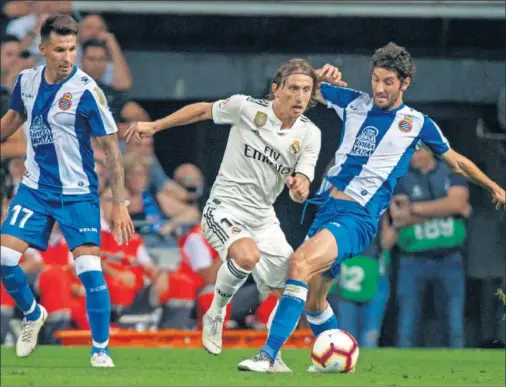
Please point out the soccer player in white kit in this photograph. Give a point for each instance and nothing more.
(271, 144)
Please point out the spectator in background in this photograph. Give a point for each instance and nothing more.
(364, 287)
(94, 63)
(429, 207)
(161, 211)
(27, 28)
(116, 71)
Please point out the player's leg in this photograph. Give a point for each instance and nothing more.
(27, 223)
(79, 222)
(319, 313)
(343, 229)
(240, 254)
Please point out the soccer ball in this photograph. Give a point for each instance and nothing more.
(335, 350)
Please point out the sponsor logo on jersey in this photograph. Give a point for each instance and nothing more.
(294, 149)
(406, 124)
(65, 102)
(260, 119)
(40, 133)
(365, 142)
(269, 156)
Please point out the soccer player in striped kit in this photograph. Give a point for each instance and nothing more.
(64, 108)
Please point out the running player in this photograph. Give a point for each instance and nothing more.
(271, 144)
(380, 134)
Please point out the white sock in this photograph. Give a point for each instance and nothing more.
(228, 281)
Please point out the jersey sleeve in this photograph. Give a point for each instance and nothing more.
(16, 103)
(198, 252)
(93, 106)
(338, 97)
(433, 138)
(309, 155)
(228, 111)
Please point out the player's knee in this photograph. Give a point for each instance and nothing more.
(298, 267)
(246, 255)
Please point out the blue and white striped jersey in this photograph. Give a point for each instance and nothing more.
(60, 119)
(376, 146)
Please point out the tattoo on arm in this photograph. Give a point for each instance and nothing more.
(115, 166)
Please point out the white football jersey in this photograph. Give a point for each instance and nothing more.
(260, 155)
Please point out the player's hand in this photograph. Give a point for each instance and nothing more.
(121, 224)
(499, 198)
(298, 186)
(140, 130)
(330, 74)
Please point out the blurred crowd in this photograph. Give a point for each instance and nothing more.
(164, 278)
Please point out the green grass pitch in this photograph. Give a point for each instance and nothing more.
(69, 366)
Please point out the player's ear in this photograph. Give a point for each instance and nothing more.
(405, 84)
(274, 88)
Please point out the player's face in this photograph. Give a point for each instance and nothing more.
(387, 88)
(94, 62)
(60, 52)
(294, 95)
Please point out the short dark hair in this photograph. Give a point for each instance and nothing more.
(294, 66)
(9, 38)
(93, 43)
(394, 58)
(60, 24)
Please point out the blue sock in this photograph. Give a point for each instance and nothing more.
(287, 316)
(322, 321)
(14, 280)
(98, 307)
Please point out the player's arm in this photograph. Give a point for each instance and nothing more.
(304, 170)
(434, 139)
(222, 112)
(456, 202)
(388, 234)
(94, 107)
(14, 118)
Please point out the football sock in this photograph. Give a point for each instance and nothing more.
(14, 280)
(228, 281)
(322, 321)
(286, 318)
(98, 303)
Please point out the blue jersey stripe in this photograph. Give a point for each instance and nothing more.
(86, 151)
(381, 199)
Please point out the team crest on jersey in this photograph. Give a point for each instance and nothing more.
(406, 124)
(65, 102)
(294, 148)
(260, 119)
(235, 230)
(365, 142)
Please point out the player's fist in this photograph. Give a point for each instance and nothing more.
(499, 197)
(298, 186)
(330, 74)
(140, 130)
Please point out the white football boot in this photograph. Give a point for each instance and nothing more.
(279, 365)
(260, 363)
(27, 340)
(212, 330)
(101, 360)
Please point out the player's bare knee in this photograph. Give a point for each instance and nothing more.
(298, 267)
(245, 253)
